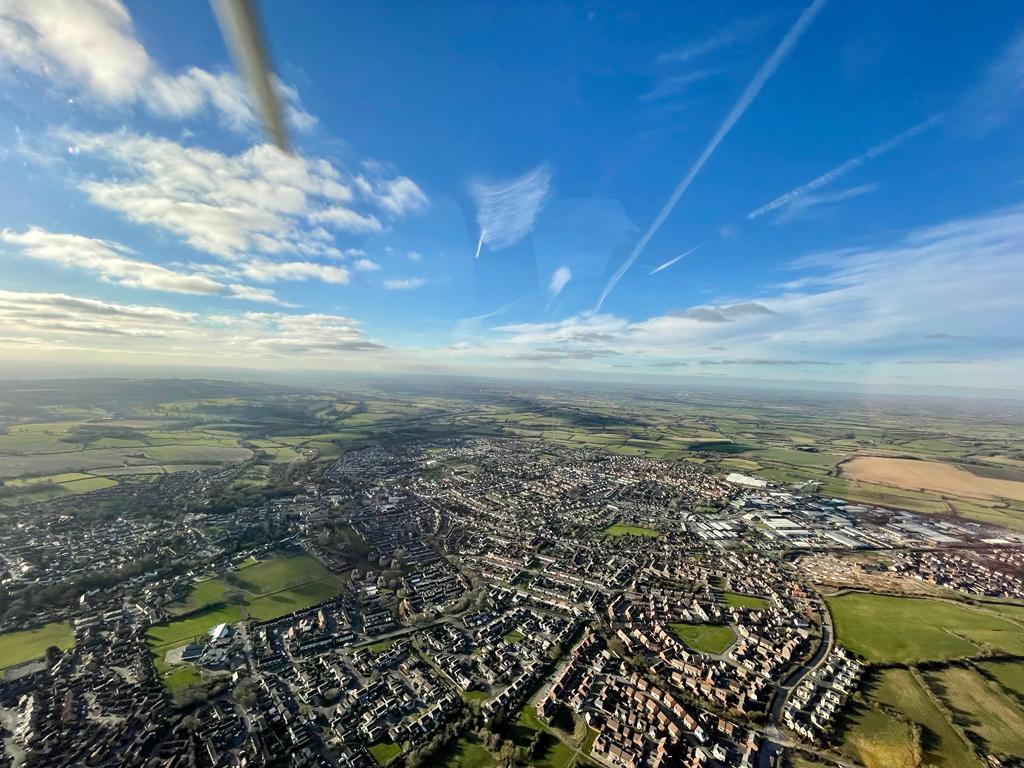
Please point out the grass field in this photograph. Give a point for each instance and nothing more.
(903, 629)
(467, 752)
(1010, 674)
(162, 637)
(202, 594)
(940, 743)
(265, 590)
(877, 739)
(385, 751)
(709, 638)
(19, 647)
(736, 600)
(552, 752)
(988, 712)
(620, 529)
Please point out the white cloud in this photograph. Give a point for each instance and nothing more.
(59, 317)
(506, 210)
(870, 305)
(274, 271)
(89, 48)
(251, 293)
(259, 201)
(116, 263)
(559, 279)
(365, 265)
(60, 321)
(404, 284)
(399, 196)
(347, 220)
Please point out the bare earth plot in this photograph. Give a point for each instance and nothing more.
(931, 476)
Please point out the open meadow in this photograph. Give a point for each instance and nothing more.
(886, 629)
(983, 709)
(28, 645)
(707, 638)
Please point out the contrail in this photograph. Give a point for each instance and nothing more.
(480, 243)
(670, 262)
(845, 168)
(749, 94)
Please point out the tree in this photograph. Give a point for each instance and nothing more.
(508, 754)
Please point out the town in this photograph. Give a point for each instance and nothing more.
(529, 603)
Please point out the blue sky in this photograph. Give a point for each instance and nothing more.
(505, 189)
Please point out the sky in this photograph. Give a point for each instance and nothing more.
(805, 192)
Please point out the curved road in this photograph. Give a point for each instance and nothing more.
(772, 748)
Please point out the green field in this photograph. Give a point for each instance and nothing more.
(708, 638)
(1009, 674)
(385, 751)
(877, 739)
(736, 600)
(467, 752)
(202, 594)
(163, 637)
(904, 629)
(552, 752)
(264, 590)
(983, 708)
(30, 644)
(901, 690)
(620, 529)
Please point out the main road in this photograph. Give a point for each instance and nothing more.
(772, 747)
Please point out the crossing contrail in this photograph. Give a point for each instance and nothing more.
(749, 94)
(480, 243)
(843, 169)
(670, 262)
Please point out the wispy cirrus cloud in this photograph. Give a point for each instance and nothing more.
(767, 69)
(999, 94)
(559, 279)
(89, 48)
(722, 38)
(799, 207)
(545, 354)
(507, 210)
(404, 283)
(676, 84)
(844, 168)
